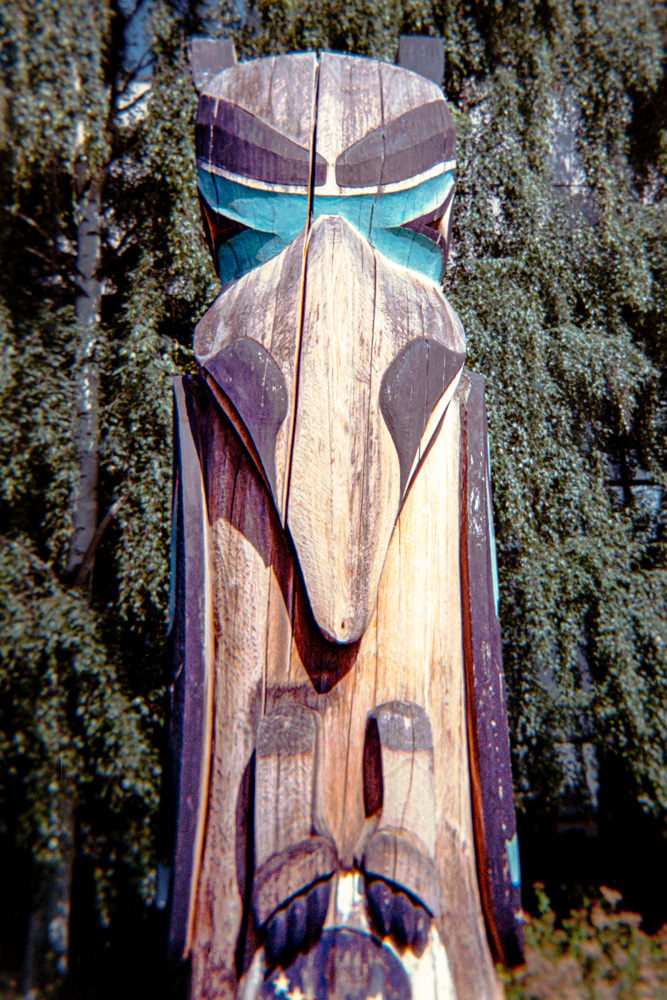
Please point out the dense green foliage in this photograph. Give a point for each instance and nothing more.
(563, 302)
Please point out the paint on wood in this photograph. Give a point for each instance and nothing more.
(230, 138)
(413, 383)
(401, 848)
(332, 441)
(344, 965)
(262, 308)
(279, 91)
(289, 855)
(436, 225)
(248, 375)
(191, 689)
(491, 771)
(365, 112)
(399, 149)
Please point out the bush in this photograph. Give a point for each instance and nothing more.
(598, 953)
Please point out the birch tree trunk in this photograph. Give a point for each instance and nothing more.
(48, 941)
(86, 418)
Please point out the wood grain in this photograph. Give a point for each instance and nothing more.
(359, 104)
(401, 848)
(275, 89)
(331, 430)
(288, 857)
(490, 763)
(411, 651)
(244, 529)
(230, 139)
(263, 306)
(192, 689)
(346, 483)
(276, 92)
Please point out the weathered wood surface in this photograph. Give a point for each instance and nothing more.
(268, 652)
(381, 127)
(236, 132)
(263, 307)
(192, 688)
(490, 765)
(336, 839)
(350, 464)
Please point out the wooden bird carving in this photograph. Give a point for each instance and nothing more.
(341, 792)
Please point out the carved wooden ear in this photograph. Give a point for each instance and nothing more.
(423, 54)
(248, 375)
(411, 386)
(208, 57)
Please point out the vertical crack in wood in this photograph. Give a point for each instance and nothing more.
(302, 313)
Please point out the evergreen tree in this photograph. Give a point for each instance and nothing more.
(94, 201)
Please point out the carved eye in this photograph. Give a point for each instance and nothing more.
(251, 379)
(399, 149)
(229, 137)
(218, 229)
(436, 225)
(411, 386)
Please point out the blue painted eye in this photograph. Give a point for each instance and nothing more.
(249, 226)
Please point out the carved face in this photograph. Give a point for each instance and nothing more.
(326, 189)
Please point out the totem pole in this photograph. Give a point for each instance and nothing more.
(342, 796)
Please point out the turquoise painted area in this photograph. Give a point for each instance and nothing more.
(267, 211)
(512, 848)
(370, 212)
(412, 250)
(248, 250)
(274, 219)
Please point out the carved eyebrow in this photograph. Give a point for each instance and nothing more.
(399, 149)
(230, 137)
(411, 386)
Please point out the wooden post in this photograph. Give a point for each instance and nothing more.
(343, 819)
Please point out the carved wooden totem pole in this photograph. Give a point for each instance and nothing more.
(342, 797)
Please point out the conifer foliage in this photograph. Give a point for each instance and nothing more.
(562, 292)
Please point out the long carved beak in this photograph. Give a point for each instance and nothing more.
(337, 384)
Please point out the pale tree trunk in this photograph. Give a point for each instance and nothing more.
(47, 947)
(86, 419)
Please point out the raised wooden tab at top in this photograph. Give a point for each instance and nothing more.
(423, 54)
(208, 57)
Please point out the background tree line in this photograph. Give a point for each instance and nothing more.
(559, 274)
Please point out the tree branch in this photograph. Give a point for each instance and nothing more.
(86, 565)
